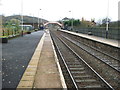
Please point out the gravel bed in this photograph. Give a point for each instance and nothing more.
(107, 73)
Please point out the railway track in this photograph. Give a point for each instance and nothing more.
(111, 61)
(82, 75)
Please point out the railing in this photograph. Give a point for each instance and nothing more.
(12, 32)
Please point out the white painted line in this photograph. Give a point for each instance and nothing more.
(31, 69)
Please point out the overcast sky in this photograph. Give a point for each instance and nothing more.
(53, 10)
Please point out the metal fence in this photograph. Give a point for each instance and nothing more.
(113, 33)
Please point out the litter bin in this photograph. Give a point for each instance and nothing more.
(90, 33)
(28, 32)
(4, 39)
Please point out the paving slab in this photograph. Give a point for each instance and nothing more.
(43, 70)
(48, 75)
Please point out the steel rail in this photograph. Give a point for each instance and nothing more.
(100, 77)
(65, 64)
(99, 51)
(95, 56)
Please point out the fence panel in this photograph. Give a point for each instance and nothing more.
(113, 33)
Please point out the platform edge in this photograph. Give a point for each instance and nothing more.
(32, 67)
(59, 68)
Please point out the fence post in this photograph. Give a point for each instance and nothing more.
(106, 33)
(8, 32)
(3, 32)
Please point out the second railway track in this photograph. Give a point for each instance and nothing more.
(81, 73)
(105, 58)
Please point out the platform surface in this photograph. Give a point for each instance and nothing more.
(43, 70)
(111, 42)
(47, 73)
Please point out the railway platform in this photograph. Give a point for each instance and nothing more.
(43, 70)
(111, 42)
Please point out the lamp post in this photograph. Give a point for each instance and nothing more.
(32, 15)
(38, 19)
(22, 17)
(33, 20)
(71, 22)
(107, 22)
(41, 19)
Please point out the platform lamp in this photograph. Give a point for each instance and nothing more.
(107, 22)
(38, 19)
(71, 22)
(33, 20)
(41, 18)
(22, 17)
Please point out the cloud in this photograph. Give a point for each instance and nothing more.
(57, 9)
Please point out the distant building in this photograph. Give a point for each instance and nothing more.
(35, 25)
(91, 23)
(65, 19)
(27, 27)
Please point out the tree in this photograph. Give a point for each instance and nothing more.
(104, 21)
(69, 22)
(12, 25)
(76, 22)
(99, 22)
(15, 24)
